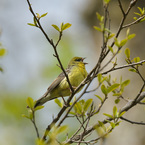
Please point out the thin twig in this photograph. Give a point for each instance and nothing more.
(132, 122)
(124, 66)
(134, 22)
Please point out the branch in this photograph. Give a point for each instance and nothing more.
(132, 122)
(124, 66)
(52, 44)
(135, 22)
(125, 108)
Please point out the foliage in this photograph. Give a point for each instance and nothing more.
(2, 53)
(85, 110)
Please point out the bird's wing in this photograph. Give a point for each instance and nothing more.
(57, 81)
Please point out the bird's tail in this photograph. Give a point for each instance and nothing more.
(42, 100)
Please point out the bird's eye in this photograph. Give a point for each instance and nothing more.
(79, 59)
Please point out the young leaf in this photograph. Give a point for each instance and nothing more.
(99, 76)
(127, 53)
(78, 108)
(112, 124)
(104, 90)
(87, 104)
(102, 125)
(99, 17)
(65, 26)
(56, 27)
(37, 15)
(61, 129)
(121, 114)
(30, 102)
(31, 24)
(136, 59)
(98, 28)
(108, 115)
(132, 70)
(123, 42)
(57, 101)
(117, 94)
(125, 83)
(1, 69)
(23, 115)
(43, 15)
(117, 42)
(113, 87)
(111, 35)
(117, 101)
(99, 98)
(2, 52)
(38, 108)
(131, 36)
(72, 113)
(115, 113)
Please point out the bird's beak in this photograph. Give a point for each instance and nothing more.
(83, 60)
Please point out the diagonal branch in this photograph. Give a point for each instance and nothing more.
(52, 44)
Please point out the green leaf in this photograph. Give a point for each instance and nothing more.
(131, 36)
(99, 98)
(31, 24)
(99, 17)
(117, 94)
(136, 59)
(98, 28)
(125, 83)
(112, 124)
(111, 35)
(65, 26)
(61, 129)
(43, 15)
(121, 114)
(117, 42)
(123, 42)
(30, 102)
(108, 115)
(128, 31)
(115, 113)
(117, 101)
(127, 53)
(99, 76)
(73, 113)
(57, 101)
(37, 15)
(78, 108)
(38, 108)
(113, 87)
(104, 90)
(1, 69)
(132, 70)
(2, 52)
(56, 27)
(101, 124)
(87, 104)
(23, 115)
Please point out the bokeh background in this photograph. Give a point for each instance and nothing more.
(29, 65)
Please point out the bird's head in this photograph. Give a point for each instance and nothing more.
(77, 61)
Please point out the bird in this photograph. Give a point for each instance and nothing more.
(76, 72)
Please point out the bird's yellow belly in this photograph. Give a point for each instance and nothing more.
(63, 88)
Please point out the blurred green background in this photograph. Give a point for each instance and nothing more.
(29, 65)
